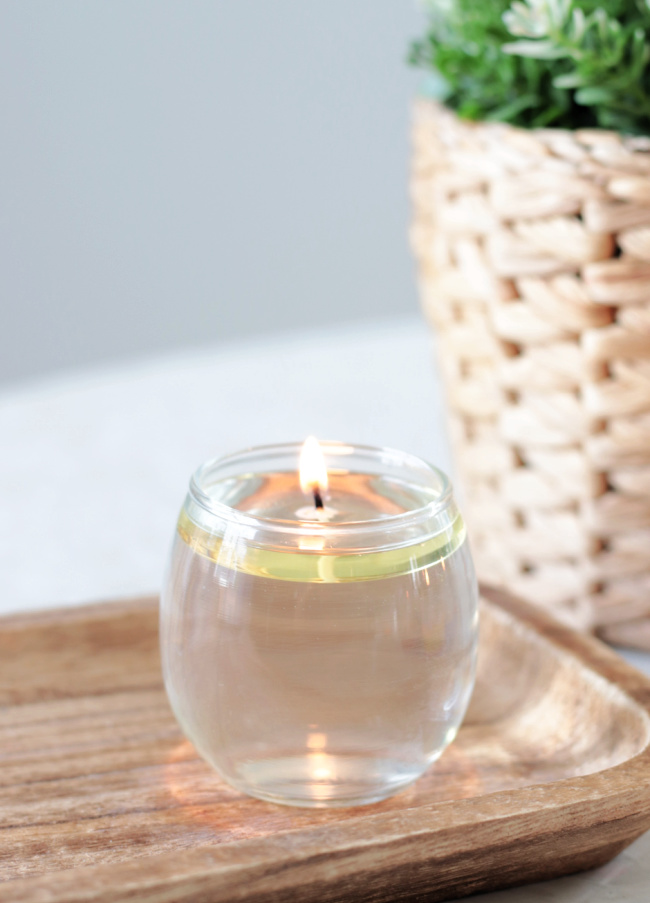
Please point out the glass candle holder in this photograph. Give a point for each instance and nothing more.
(320, 656)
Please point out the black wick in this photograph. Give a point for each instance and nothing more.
(318, 498)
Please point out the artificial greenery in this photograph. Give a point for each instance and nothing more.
(558, 63)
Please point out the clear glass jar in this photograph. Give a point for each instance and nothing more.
(320, 657)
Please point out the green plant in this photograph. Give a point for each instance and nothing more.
(560, 63)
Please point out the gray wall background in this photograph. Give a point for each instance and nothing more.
(183, 173)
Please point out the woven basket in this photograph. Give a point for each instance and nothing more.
(534, 257)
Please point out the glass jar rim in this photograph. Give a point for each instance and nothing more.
(415, 465)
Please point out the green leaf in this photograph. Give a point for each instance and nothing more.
(510, 111)
(540, 50)
(568, 80)
(578, 25)
(593, 96)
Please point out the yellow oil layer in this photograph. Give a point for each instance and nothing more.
(312, 565)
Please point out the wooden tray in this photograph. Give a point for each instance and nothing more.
(103, 798)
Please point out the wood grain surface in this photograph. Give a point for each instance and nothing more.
(102, 798)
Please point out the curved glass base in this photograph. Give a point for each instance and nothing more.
(318, 780)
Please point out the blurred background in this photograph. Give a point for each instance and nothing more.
(178, 174)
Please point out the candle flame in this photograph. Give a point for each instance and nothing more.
(313, 472)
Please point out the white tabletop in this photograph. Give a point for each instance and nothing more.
(94, 467)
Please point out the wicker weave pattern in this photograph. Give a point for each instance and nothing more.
(534, 258)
